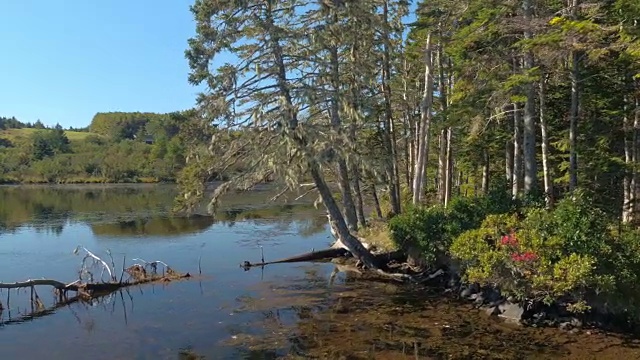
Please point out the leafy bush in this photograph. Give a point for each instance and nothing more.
(421, 228)
(432, 229)
(562, 255)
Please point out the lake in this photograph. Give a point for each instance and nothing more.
(282, 311)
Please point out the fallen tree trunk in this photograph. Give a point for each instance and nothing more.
(85, 287)
(310, 256)
(29, 283)
(330, 253)
(92, 288)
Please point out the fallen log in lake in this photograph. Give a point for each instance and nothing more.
(85, 288)
(309, 256)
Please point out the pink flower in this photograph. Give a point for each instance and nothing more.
(527, 256)
(509, 240)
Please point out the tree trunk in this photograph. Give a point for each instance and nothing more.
(626, 184)
(548, 184)
(347, 198)
(448, 170)
(337, 221)
(291, 116)
(336, 122)
(391, 159)
(419, 179)
(444, 105)
(485, 172)
(376, 202)
(529, 133)
(407, 135)
(517, 158)
(508, 147)
(508, 161)
(459, 183)
(442, 165)
(575, 108)
(633, 187)
(355, 179)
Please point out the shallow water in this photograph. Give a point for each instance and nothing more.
(284, 310)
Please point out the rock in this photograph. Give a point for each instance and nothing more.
(468, 290)
(511, 312)
(492, 310)
(575, 322)
(454, 281)
(479, 299)
(492, 295)
(565, 325)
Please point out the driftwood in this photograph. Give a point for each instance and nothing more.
(337, 251)
(137, 274)
(310, 256)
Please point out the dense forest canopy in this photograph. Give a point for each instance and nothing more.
(537, 98)
(541, 95)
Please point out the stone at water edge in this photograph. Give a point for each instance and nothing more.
(492, 310)
(511, 312)
(469, 290)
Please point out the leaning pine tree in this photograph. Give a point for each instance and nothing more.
(262, 97)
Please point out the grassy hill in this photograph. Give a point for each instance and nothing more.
(15, 135)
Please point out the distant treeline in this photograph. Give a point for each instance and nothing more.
(116, 147)
(7, 123)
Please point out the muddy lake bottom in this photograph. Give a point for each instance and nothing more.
(287, 311)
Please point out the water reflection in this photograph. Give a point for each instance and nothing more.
(282, 311)
(139, 210)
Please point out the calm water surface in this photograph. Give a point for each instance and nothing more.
(283, 311)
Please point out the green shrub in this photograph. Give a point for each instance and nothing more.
(560, 255)
(432, 229)
(421, 228)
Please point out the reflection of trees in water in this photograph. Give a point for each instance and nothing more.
(36, 206)
(154, 226)
(147, 210)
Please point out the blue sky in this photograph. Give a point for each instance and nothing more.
(64, 60)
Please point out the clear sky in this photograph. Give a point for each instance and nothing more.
(61, 61)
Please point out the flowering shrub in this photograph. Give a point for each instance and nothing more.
(547, 256)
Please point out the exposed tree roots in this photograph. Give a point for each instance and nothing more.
(395, 262)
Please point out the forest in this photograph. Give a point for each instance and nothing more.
(115, 147)
(501, 137)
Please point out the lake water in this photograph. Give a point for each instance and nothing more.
(281, 311)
